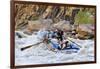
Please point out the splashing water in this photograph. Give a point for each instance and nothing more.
(39, 54)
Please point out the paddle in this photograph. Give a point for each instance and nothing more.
(24, 48)
(74, 42)
(43, 41)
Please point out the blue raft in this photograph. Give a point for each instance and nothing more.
(70, 46)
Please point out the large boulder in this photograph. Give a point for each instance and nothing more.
(39, 24)
(63, 25)
(86, 31)
(87, 27)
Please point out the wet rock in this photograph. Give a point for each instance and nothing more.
(85, 31)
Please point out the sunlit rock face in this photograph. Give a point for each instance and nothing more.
(27, 12)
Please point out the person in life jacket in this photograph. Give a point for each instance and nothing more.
(56, 37)
(54, 42)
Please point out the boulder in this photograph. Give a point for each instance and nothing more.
(39, 24)
(85, 31)
(87, 27)
(64, 25)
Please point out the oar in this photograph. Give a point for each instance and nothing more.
(74, 42)
(24, 48)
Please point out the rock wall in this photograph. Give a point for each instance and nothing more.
(34, 17)
(27, 12)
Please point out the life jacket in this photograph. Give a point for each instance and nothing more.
(54, 43)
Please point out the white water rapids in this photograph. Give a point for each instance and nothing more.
(39, 54)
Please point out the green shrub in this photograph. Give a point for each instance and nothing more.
(83, 18)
